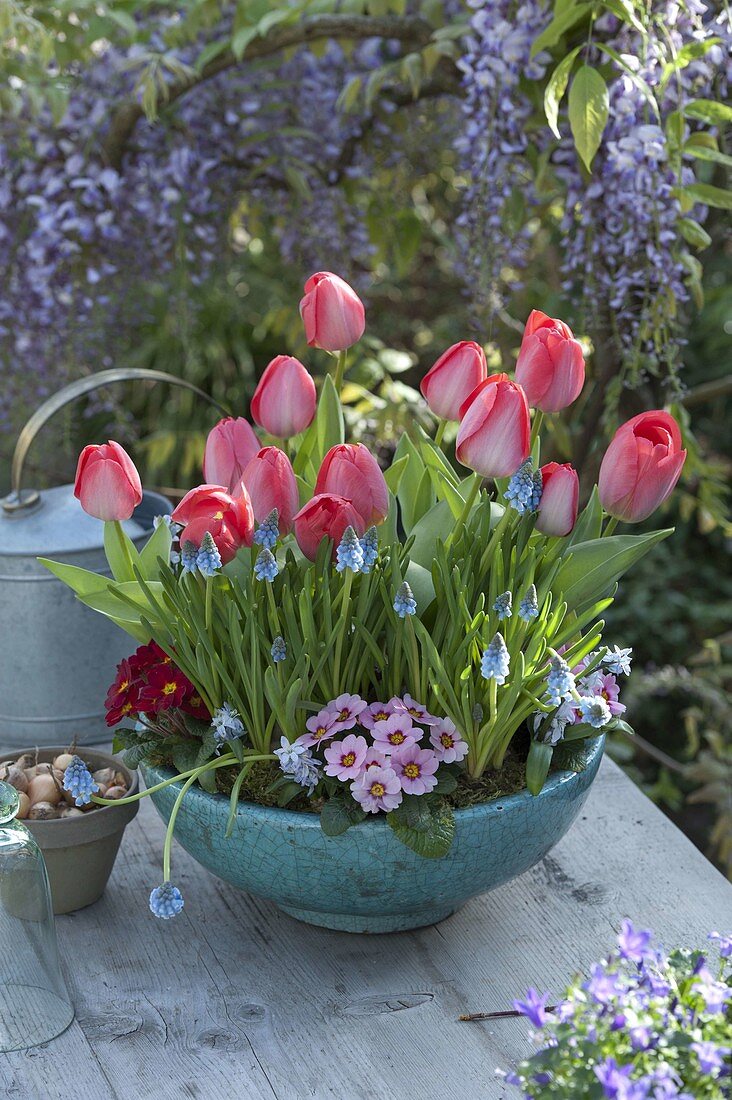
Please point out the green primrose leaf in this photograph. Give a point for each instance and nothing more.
(339, 814)
(425, 827)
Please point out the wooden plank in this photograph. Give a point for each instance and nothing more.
(234, 999)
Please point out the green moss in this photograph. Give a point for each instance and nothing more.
(469, 792)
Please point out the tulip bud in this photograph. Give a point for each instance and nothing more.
(229, 447)
(641, 466)
(284, 400)
(270, 481)
(453, 378)
(228, 519)
(550, 364)
(350, 470)
(107, 482)
(494, 434)
(332, 313)
(325, 516)
(557, 513)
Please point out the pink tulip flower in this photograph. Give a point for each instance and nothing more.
(270, 481)
(325, 516)
(228, 519)
(453, 378)
(350, 470)
(550, 364)
(641, 466)
(284, 400)
(557, 513)
(332, 313)
(107, 482)
(494, 433)
(229, 447)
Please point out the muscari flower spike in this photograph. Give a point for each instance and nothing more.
(560, 682)
(265, 567)
(496, 660)
(79, 782)
(268, 532)
(369, 549)
(189, 557)
(166, 901)
(529, 606)
(503, 606)
(349, 554)
(404, 602)
(524, 492)
(208, 559)
(226, 723)
(279, 649)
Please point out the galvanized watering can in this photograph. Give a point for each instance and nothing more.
(58, 657)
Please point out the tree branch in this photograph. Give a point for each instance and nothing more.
(409, 29)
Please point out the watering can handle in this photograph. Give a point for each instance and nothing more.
(16, 501)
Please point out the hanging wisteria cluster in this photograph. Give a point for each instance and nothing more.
(623, 244)
(79, 238)
(492, 145)
(621, 241)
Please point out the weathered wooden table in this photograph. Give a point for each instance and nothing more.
(234, 1000)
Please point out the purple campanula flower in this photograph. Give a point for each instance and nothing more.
(633, 942)
(533, 1007)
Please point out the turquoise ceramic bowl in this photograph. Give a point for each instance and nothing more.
(366, 880)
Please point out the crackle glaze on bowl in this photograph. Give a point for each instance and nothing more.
(366, 880)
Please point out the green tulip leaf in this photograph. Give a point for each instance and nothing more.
(157, 546)
(537, 765)
(593, 567)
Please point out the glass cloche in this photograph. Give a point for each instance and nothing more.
(34, 1003)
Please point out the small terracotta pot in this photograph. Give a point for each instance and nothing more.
(80, 851)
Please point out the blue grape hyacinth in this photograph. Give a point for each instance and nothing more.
(189, 557)
(369, 549)
(529, 606)
(166, 901)
(79, 782)
(349, 554)
(560, 682)
(268, 532)
(208, 559)
(404, 602)
(524, 490)
(279, 649)
(502, 606)
(496, 660)
(265, 567)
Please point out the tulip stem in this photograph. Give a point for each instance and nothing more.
(340, 371)
(442, 424)
(469, 502)
(536, 428)
(124, 546)
(610, 526)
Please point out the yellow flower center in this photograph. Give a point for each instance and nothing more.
(396, 738)
(126, 708)
(170, 687)
(124, 685)
(446, 740)
(344, 715)
(414, 712)
(378, 790)
(349, 759)
(218, 515)
(320, 731)
(411, 771)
